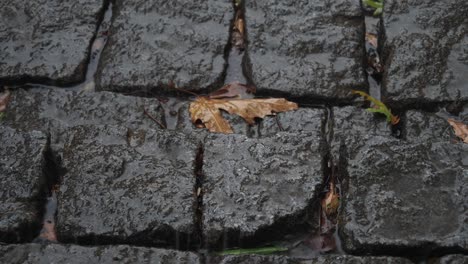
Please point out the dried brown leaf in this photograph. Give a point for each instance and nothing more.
(239, 25)
(4, 98)
(331, 202)
(208, 110)
(205, 110)
(372, 39)
(460, 129)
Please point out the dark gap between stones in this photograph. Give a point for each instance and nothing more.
(198, 194)
(374, 65)
(96, 48)
(236, 48)
(53, 174)
(325, 240)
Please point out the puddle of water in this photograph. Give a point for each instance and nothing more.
(48, 225)
(96, 50)
(234, 72)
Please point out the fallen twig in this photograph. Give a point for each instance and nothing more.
(154, 119)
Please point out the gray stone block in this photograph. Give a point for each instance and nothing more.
(23, 183)
(47, 41)
(259, 189)
(55, 253)
(406, 197)
(426, 59)
(153, 44)
(306, 48)
(128, 187)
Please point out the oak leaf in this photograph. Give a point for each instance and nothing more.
(208, 111)
(461, 130)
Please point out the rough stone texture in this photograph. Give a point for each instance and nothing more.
(154, 43)
(426, 55)
(53, 110)
(259, 189)
(406, 196)
(347, 259)
(452, 259)
(329, 259)
(23, 183)
(400, 195)
(127, 186)
(306, 48)
(46, 41)
(353, 127)
(422, 126)
(53, 253)
(298, 121)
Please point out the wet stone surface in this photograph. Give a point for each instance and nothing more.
(53, 110)
(306, 48)
(406, 197)
(53, 253)
(298, 121)
(353, 127)
(153, 44)
(23, 184)
(421, 126)
(259, 189)
(330, 259)
(46, 41)
(127, 186)
(452, 259)
(402, 196)
(426, 55)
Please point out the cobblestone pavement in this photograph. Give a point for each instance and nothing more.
(132, 190)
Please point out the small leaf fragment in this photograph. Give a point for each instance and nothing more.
(4, 99)
(331, 203)
(460, 129)
(372, 39)
(239, 25)
(379, 107)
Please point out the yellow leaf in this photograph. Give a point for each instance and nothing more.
(461, 130)
(207, 110)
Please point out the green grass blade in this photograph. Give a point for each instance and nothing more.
(259, 251)
(373, 4)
